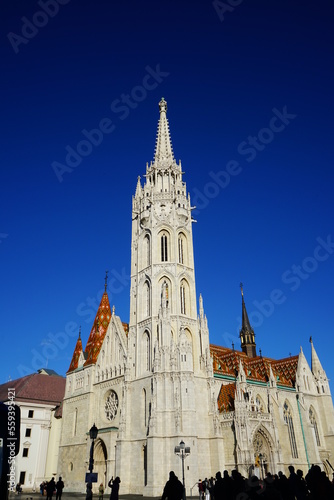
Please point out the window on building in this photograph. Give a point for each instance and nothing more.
(291, 431)
(28, 433)
(180, 241)
(25, 452)
(183, 298)
(31, 414)
(147, 349)
(22, 477)
(147, 249)
(147, 298)
(164, 248)
(144, 402)
(313, 422)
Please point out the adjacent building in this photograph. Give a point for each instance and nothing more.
(39, 397)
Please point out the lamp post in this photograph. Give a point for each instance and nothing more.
(93, 435)
(182, 451)
(261, 463)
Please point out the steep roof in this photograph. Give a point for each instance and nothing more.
(37, 387)
(76, 355)
(226, 362)
(226, 398)
(98, 331)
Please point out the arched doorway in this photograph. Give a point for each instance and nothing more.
(100, 462)
(262, 453)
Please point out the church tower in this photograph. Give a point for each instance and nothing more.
(163, 294)
(247, 335)
(169, 386)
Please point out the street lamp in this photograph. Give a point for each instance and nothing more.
(261, 463)
(93, 435)
(182, 451)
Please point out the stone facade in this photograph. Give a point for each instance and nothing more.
(156, 381)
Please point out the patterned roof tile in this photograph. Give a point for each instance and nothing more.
(98, 331)
(226, 398)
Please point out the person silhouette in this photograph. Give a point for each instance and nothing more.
(173, 489)
(114, 485)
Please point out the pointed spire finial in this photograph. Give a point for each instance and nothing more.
(106, 282)
(242, 288)
(233, 346)
(163, 105)
(163, 155)
(311, 341)
(113, 310)
(80, 332)
(260, 351)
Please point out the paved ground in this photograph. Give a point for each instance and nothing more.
(73, 496)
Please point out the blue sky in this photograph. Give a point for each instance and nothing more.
(250, 106)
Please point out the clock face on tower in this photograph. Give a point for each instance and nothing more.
(162, 210)
(111, 405)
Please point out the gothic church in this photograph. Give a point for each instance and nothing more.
(157, 380)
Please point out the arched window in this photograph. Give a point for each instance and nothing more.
(144, 403)
(180, 245)
(147, 299)
(164, 247)
(289, 421)
(183, 298)
(147, 250)
(313, 422)
(146, 351)
(75, 422)
(164, 294)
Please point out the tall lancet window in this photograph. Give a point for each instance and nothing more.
(164, 294)
(147, 299)
(164, 248)
(146, 351)
(180, 241)
(313, 422)
(183, 298)
(291, 431)
(147, 250)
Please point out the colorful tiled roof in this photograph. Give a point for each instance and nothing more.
(76, 355)
(226, 362)
(98, 331)
(36, 388)
(226, 398)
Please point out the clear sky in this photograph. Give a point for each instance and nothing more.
(249, 86)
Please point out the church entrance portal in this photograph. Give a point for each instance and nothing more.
(100, 462)
(262, 454)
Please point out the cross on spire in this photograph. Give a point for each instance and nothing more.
(106, 282)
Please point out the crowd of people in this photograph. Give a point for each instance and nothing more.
(113, 485)
(315, 486)
(48, 488)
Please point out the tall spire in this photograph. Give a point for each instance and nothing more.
(99, 328)
(247, 334)
(163, 155)
(316, 366)
(76, 354)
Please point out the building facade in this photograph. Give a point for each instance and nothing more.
(39, 397)
(155, 381)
